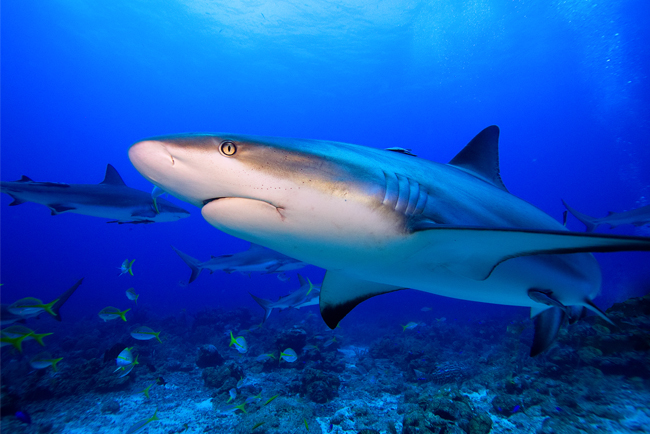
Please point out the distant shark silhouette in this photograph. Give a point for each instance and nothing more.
(306, 295)
(256, 259)
(383, 220)
(110, 199)
(636, 217)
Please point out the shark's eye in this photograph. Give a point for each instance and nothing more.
(228, 148)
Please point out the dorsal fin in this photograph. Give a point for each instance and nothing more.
(399, 150)
(112, 177)
(25, 179)
(481, 157)
(253, 247)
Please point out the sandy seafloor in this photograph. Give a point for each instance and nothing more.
(439, 377)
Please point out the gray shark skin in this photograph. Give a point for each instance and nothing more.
(306, 295)
(8, 318)
(256, 259)
(636, 217)
(383, 220)
(110, 199)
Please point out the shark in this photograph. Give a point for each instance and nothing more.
(7, 317)
(110, 199)
(256, 259)
(306, 295)
(637, 217)
(381, 220)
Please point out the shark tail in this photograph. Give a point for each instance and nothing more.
(266, 305)
(63, 298)
(194, 264)
(590, 222)
(547, 325)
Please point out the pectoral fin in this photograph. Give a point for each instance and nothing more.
(58, 209)
(474, 252)
(340, 293)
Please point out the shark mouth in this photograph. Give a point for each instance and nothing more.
(207, 201)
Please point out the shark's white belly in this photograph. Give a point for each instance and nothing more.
(348, 237)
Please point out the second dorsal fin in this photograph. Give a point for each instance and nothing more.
(480, 157)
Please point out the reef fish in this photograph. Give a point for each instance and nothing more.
(44, 360)
(141, 424)
(144, 333)
(8, 317)
(110, 199)
(637, 217)
(110, 313)
(383, 220)
(126, 267)
(256, 259)
(289, 355)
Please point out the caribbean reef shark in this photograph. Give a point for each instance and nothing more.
(110, 199)
(636, 217)
(7, 318)
(383, 220)
(306, 295)
(256, 259)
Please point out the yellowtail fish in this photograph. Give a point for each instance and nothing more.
(265, 357)
(410, 326)
(126, 370)
(144, 333)
(289, 355)
(139, 425)
(44, 360)
(146, 390)
(330, 341)
(258, 424)
(132, 295)
(110, 313)
(125, 357)
(30, 306)
(230, 409)
(270, 399)
(233, 394)
(11, 335)
(239, 342)
(126, 267)
(257, 397)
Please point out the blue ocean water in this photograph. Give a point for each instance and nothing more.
(566, 81)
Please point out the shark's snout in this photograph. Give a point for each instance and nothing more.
(151, 158)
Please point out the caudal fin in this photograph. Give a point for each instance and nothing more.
(266, 305)
(194, 264)
(590, 222)
(547, 325)
(63, 298)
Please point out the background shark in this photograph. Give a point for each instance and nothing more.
(110, 199)
(637, 217)
(306, 295)
(382, 220)
(256, 259)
